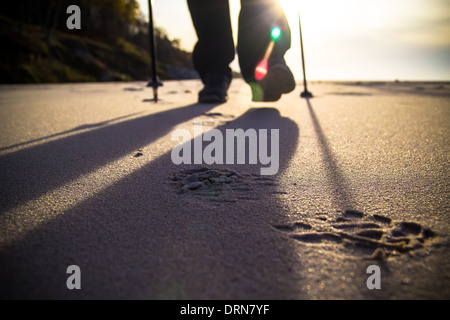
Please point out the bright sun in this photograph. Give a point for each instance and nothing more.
(289, 5)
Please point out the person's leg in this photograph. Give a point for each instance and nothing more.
(214, 50)
(256, 21)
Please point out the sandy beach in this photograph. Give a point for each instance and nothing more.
(87, 179)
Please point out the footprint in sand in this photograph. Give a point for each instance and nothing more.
(373, 235)
(220, 185)
(216, 119)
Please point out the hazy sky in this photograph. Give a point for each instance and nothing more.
(348, 39)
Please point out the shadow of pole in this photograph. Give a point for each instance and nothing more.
(341, 192)
(30, 172)
(74, 130)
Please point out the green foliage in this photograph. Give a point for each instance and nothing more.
(113, 44)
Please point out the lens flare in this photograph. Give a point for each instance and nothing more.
(261, 70)
(275, 33)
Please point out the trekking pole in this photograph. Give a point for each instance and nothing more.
(305, 93)
(154, 82)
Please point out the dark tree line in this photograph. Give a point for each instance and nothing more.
(102, 20)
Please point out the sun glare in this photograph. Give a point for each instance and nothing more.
(347, 39)
(290, 5)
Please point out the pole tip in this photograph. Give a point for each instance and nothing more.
(306, 94)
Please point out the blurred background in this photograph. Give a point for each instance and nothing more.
(405, 40)
(112, 45)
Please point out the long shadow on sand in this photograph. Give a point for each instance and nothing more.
(141, 238)
(27, 174)
(342, 195)
(71, 131)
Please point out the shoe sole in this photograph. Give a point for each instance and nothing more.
(211, 99)
(279, 80)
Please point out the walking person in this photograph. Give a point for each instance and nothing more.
(215, 50)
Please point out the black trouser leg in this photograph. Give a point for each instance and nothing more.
(214, 50)
(256, 20)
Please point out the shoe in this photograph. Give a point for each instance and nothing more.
(215, 89)
(279, 80)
